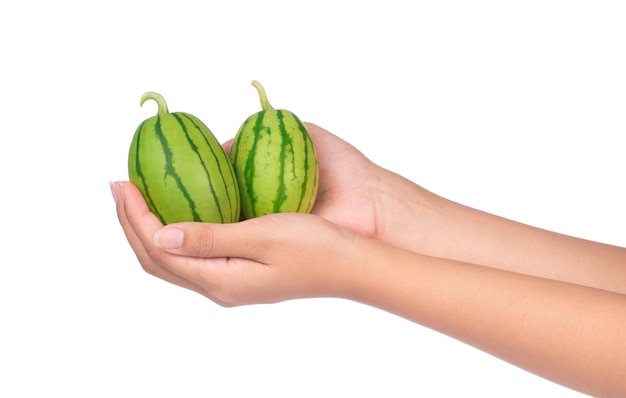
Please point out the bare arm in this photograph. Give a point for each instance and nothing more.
(571, 334)
(565, 332)
(469, 235)
(365, 198)
(552, 304)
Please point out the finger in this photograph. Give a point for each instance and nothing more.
(233, 262)
(118, 190)
(139, 216)
(227, 145)
(153, 260)
(322, 137)
(222, 258)
(121, 191)
(206, 240)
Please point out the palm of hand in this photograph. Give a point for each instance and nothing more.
(347, 194)
(347, 191)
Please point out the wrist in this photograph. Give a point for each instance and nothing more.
(413, 218)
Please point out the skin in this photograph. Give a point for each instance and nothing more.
(552, 304)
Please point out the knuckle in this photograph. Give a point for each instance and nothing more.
(201, 241)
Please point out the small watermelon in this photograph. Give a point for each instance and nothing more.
(181, 169)
(275, 162)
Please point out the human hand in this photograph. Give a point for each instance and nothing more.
(365, 198)
(262, 260)
(355, 195)
(349, 184)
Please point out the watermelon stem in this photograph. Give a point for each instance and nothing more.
(159, 100)
(265, 104)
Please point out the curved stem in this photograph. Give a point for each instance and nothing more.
(159, 100)
(265, 104)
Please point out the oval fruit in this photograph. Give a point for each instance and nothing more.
(181, 169)
(275, 162)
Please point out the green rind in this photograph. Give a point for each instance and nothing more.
(275, 164)
(182, 170)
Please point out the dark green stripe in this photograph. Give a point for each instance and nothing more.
(286, 145)
(170, 170)
(249, 169)
(304, 192)
(315, 166)
(312, 194)
(144, 188)
(195, 149)
(222, 160)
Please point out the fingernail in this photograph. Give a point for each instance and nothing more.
(169, 238)
(114, 190)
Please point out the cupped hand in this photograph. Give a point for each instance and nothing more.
(349, 181)
(365, 198)
(262, 260)
(284, 256)
(348, 193)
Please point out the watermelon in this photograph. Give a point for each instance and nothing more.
(275, 162)
(181, 169)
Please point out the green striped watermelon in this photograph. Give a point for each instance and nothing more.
(275, 162)
(181, 169)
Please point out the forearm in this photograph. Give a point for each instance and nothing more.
(432, 225)
(570, 334)
(485, 239)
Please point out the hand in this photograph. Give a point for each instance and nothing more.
(349, 183)
(287, 256)
(354, 195)
(262, 260)
(367, 199)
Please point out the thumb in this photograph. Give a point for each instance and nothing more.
(207, 240)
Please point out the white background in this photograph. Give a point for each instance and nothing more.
(516, 108)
